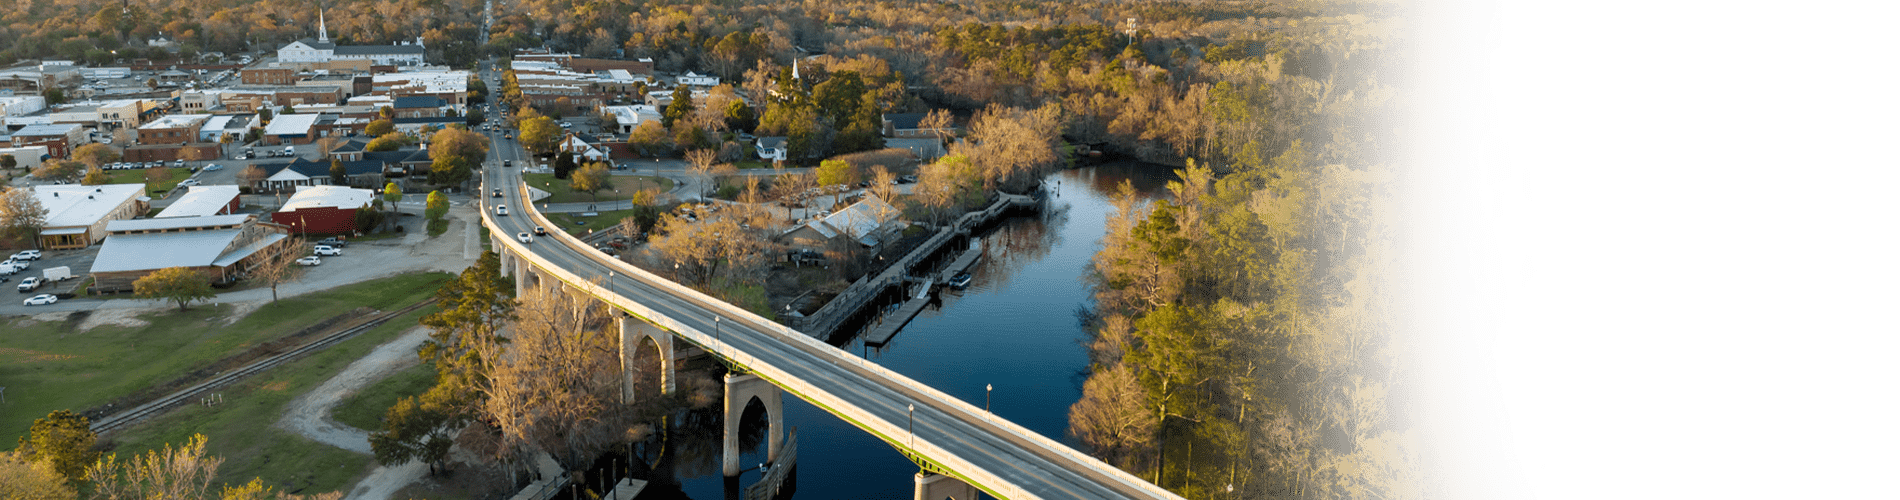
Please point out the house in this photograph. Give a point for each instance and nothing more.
(202, 201)
(691, 78)
(909, 125)
(359, 173)
(867, 222)
(772, 148)
(220, 247)
(584, 151)
(627, 118)
(76, 216)
(419, 106)
(323, 209)
(59, 138)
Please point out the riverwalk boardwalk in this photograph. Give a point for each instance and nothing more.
(891, 323)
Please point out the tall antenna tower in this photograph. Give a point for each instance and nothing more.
(1131, 31)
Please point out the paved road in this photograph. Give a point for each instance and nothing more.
(825, 372)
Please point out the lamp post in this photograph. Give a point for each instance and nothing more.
(986, 397)
(913, 427)
(610, 282)
(716, 329)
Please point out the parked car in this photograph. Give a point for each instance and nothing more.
(30, 284)
(18, 265)
(310, 260)
(501, 210)
(213, 167)
(27, 255)
(524, 237)
(333, 241)
(328, 251)
(188, 183)
(42, 299)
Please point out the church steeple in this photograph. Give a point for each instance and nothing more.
(323, 32)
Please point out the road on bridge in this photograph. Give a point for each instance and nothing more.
(1010, 461)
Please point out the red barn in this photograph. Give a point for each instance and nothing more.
(323, 210)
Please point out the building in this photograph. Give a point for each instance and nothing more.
(583, 150)
(418, 106)
(691, 78)
(450, 86)
(359, 173)
(415, 125)
(323, 210)
(910, 126)
(867, 222)
(291, 129)
(267, 76)
(322, 50)
(220, 247)
(627, 118)
(21, 105)
(59, 138)
(76, 215)
(202, 201)
(172, 129)
(28, 158)
(772, 148)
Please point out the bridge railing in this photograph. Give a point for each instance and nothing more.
(891, 431)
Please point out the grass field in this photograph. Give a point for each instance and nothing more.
(241, 430)
(138, 177)
(572, 222)
(364, 410)
(50, 365)
(626, 184)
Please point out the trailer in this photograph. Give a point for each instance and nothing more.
(61, 273)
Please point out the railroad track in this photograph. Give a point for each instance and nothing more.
(141, 412)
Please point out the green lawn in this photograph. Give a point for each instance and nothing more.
(746, 164)
(572, 222)
(625, 184)
(48, 365)
(242, 431)
(138, 177)
(365, 409)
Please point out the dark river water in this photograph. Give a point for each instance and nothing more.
(1015, 328)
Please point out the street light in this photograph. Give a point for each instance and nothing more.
(715, 329)
(986, 396)
(913, 427)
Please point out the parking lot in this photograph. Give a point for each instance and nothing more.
(80, 261)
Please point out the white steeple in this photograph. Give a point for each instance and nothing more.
(323, 32)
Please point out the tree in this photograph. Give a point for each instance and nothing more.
(883, 183)
(716, 247)
(702, 161)
(338, 176)
(96, 176)
(680, 108)
(23, 479)
(416, 428)
(184, 472)
(739, 116)
(474, 307)
(387, 142)
(62, 440)
(557, 386)
(651, 138)
(380, 127)
(836, 172)
(251, 176)
(563, 165)
(1112, 418)
(95, 155)
(1014, 145)
(539, 133)
(7, 162)
(177, 284)
(59, 170)
(264, 114)
(938, 122)
(437, 206)
(592, 178)
(279, 264)
(455, 153)
(392, 194)
(157, 175)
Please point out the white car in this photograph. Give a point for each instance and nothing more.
(213, 167)
(27, 255)
(310, 261)
(328, 251)
(524, 237)
(42, 299)
(501, 210)
(30, 284)
(188, 183)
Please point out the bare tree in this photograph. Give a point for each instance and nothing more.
(251, 176)
(883, 183)
(278, 265)
(182, 472)
(556, 386)
(938, 122)
(703, 160)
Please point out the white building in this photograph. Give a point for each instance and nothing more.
(104, 73)
(627, 118)
(691, 78)
(28, 157)
(322, 50)
(21, 105)
(76, 215)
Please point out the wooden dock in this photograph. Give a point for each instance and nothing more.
(890, 324)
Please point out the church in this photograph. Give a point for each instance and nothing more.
(322, 50)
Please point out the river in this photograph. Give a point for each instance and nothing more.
(1016, 328)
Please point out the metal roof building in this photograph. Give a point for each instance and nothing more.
(221, 247)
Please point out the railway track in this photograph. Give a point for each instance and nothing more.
(141, 412)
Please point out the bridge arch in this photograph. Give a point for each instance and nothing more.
(646, 359)
(740, 391)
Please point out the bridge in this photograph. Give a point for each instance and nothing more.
(958, 447)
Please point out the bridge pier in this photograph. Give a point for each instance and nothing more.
(740, 390)
(939, 487)
(633, 335)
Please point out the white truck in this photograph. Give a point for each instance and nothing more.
(61, 273)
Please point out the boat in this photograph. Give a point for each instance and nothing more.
(960, 281)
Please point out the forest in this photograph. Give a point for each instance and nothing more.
(1243, 339)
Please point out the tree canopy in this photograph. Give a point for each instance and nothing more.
(179, 285)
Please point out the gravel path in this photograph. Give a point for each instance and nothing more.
(309, 414)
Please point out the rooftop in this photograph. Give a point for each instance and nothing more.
(76, 205)
(327, 196)
(208, 221)
(291, 124)
(200, 200)
(46, 129)
(175, 121)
